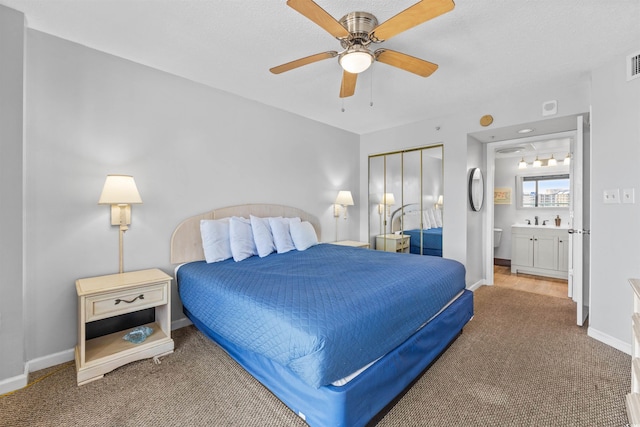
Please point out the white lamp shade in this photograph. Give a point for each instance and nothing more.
(119, 190)
(522, 164)
(537, 163)
(388, 199)
(344, 198)
(440, 200)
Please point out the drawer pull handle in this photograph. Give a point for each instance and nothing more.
(118, 301)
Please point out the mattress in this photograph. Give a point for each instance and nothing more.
(322, 313)
(425, 242)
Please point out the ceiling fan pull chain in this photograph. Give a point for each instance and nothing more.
(371, 88)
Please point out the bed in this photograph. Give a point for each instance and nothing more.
(296, 321)
(424, 226)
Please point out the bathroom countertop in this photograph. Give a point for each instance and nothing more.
(552, 226)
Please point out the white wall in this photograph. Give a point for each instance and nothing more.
(476, 158)
(615, 229)
(508, 109)
(11, 196)
(190, 148)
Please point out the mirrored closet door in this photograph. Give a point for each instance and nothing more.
(406, 200)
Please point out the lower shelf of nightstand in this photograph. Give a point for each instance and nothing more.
(106, 353)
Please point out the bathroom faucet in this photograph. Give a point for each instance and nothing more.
(536, 218)
(528, 221)
(544, 222)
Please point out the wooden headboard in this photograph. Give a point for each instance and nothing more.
(186, 243)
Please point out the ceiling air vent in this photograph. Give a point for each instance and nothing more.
(633, 66)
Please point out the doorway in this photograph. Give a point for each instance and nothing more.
(575, 130)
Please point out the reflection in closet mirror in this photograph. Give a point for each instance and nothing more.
(406, 195)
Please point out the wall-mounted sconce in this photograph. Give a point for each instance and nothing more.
(440, 202)
(344, 199)
(120, 192)
(387, 200)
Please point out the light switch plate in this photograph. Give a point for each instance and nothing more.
(628, 195)
(612, 196)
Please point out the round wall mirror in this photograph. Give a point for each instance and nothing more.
(476, 189)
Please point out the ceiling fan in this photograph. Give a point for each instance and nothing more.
(357, 30)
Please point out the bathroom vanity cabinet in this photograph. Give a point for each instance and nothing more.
(540, 250)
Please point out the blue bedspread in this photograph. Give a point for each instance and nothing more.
(324, 312)
(429, 244)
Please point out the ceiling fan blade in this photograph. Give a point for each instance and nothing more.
(303, 61)
(318, 15)
(410, 17)
(406, 62)
(348, 86)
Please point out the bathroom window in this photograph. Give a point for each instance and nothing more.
(544, 191)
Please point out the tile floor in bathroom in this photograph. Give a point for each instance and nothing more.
(503, 277)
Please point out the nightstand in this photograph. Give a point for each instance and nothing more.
(393, 243)
(352, 243)
(108, 296)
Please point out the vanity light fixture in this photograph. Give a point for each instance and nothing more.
(344, 199)
(552, 161)
(120, 192)
(567, 160)
(387, 200)
(537, 163)
(522, 164)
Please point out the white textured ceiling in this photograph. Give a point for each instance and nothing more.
(483, 48)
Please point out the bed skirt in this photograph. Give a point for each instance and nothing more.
(358, 401)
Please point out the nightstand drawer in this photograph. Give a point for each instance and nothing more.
(116, 303)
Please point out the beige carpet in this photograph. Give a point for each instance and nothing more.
(520, 362)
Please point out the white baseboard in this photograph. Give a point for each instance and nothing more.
(609, 340)
(477, 285)
(180, 323)
(14, 383)
(50, 360)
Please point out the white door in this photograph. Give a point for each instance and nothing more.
(579, 222)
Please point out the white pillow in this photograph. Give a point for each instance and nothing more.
(411, 220)
(426, 224)
(215, 239)
(439, 217)
(241, 238)
(432, 219)
(303, 235)
(262, 236)
(281, 233)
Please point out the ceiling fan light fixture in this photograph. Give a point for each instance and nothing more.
(356, 59)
